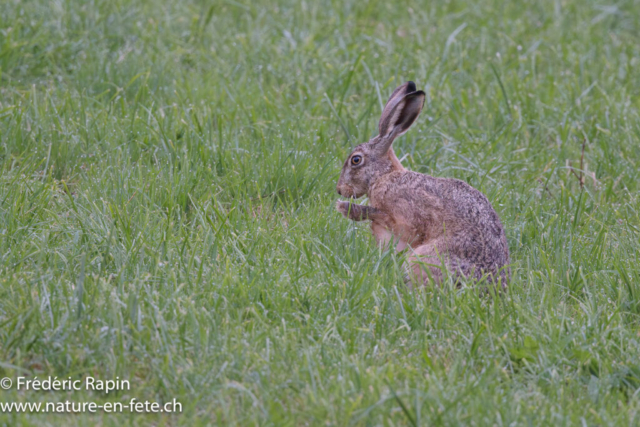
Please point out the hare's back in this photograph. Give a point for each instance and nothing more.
(469, 205)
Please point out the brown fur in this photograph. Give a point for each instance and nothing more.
(444, 222)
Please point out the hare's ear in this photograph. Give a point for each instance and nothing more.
(397, 94)
(401, 112)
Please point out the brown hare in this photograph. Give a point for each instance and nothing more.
(442, 222)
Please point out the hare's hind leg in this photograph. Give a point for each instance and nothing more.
(431, 262)
(426, 263)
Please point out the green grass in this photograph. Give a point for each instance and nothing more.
(167, 215)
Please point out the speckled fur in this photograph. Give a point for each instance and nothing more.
(442, 221)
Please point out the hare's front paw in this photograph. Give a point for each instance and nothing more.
(343, 208)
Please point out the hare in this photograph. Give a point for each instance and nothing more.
(442, 222)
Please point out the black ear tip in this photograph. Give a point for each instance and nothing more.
(416, 94)
(411, 87)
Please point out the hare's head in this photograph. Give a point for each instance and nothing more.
(373, 159)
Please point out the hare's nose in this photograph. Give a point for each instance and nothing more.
(338, 190)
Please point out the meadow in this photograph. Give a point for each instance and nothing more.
(167, 193)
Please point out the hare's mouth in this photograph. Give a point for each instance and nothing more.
(348, 192)
(348, 197)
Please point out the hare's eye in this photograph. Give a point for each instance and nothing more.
(356, 160)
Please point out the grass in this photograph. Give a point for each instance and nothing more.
(167, 211)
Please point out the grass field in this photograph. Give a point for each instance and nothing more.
(167, 210)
